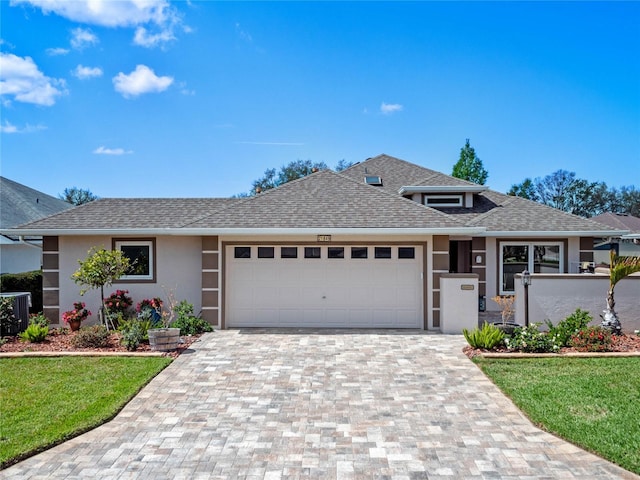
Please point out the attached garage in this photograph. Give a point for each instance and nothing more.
(333, 286)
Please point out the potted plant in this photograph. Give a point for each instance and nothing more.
(162, 337)
(76, 316)
(506, 310)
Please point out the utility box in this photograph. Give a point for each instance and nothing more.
(458, 302)
(21, 304)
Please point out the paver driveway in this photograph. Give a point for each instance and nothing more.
(319, 404)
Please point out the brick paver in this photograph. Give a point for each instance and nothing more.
(319, 404)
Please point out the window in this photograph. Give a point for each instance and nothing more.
(242, 252)
(335, 252)
(289, 252)
(383, 252)
(358, 252)
(141, 255)
(538, 257)
(311, 252)
(373, 180)
(266, 252)
(406, 252)
(443, 200)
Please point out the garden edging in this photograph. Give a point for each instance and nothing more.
(560, 355)
(79, 354)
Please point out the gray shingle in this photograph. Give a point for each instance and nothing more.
(328, 200)
(20, 204)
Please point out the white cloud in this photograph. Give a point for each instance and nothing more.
(389, 108)
(280, 144)
(185, 91)
(141, 80)
(82, 38)
(121, 13)
(243, 34)
(10, 128)
(102, 150)
(143, 38)
(83, 72)
(54, 52)
(21, 79)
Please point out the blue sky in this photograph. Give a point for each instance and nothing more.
(197, 99)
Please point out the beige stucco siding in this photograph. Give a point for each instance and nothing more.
(178, 268)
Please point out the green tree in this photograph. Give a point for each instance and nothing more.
(469, 166)
(77, 196)
(273, 178)
(101, 268)
(343, 165)
(526, 189)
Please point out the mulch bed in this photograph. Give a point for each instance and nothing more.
(621, 343)
(60, 341)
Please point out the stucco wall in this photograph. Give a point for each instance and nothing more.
(554, 297)
(178, 264)
(19, 258)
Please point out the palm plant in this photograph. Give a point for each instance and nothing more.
(620, 267)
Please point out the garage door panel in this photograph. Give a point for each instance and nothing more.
(356, 293)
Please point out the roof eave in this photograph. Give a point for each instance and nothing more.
(250, 231)
(552, 233)
(442, 189)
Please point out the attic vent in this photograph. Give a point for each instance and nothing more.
(373, 180)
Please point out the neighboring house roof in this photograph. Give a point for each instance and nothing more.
(621, 221)
(328, 202)
(20, 204)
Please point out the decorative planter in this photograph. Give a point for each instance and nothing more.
(164, 339)
(508, 328)
(74, 325)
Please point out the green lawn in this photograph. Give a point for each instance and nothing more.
(45, 401)
(591, 402)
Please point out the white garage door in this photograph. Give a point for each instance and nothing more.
(324, 286)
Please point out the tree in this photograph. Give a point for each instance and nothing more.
(101, 268)
(469, 166)
(343, 165)
(291, 171)
(619, 268)
(77, 196)
(526, 189)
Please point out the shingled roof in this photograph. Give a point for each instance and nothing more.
(620, 221)
(132, 213)
(327, 199)
(20, 204)
(397, 173)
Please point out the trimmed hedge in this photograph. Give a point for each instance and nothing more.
(24, 282)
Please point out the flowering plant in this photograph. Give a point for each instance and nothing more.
(149, 304)
(79, 313)
(592, 339)
(118, 302)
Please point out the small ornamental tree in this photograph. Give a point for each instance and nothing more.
(469, 167)
(619, 268)
(101, 268)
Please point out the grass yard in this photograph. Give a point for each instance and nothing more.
(591, 402)
(48, 400)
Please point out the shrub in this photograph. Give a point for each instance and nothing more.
(134, 332)
(8, 321)
(119, 302)
(531, 340)
(592, 339)
(38, 319)
(488, 337)
(187, 322)
(34, 333)
(568, 327)
(24, 282)
(96, 336)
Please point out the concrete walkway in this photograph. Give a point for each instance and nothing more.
(319, 404)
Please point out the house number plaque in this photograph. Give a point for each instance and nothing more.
(324, 238)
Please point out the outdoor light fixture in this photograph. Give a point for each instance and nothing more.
(526, 281)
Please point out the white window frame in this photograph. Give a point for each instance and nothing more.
(531, 259)
(456, 200)
(118, 244)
